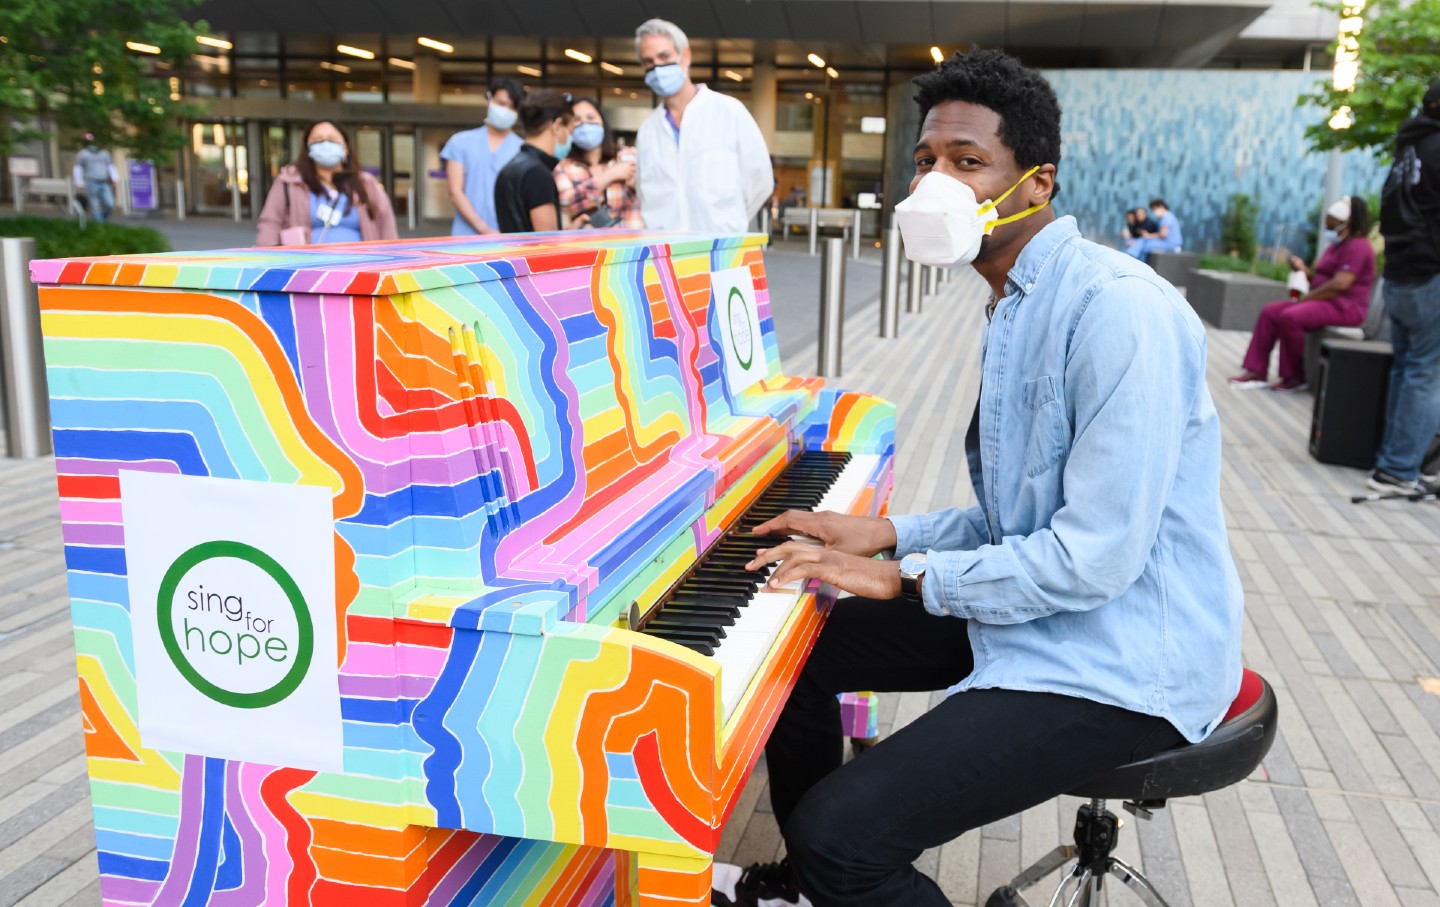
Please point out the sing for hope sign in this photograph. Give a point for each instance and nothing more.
(232, 606)
(733, 309)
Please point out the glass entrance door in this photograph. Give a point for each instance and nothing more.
(221, 175)
(402, 158)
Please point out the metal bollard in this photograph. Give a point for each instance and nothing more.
(890, 284)
(27, 397)
(814, 228)
(179, 199)
(410, 207)
(765, 220)
(832, 307)
(913, 296)
(930, 280)
(235, 200)
(855, 235)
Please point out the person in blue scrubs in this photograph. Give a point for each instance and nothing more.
(474, 157)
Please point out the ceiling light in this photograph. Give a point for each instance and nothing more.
(436, 45)
(809, 95)
(936, 55)
(734, 76)
(214, 42)
(612, 68)
(832, 72)
(528, 71)
(816, 60)
(142, 48)
(402, 64)
(334, 67)
(574, 54)
(360, 52)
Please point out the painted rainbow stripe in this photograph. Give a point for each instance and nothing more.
(521, 436)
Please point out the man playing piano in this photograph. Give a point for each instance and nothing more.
(1087, 612)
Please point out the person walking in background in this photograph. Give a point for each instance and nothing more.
(324, 196)
(1339, 295)
(598, 176)
(526, 199)
(1410, 223)
(475, 157)
(1165, 236)
(96, 174)
(703, 163)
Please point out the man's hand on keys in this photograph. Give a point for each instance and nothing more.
(865, 536)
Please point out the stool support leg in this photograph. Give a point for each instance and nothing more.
(1132, 879)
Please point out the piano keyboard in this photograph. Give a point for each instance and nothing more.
(720, 609)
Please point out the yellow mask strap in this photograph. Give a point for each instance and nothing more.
(991, 205)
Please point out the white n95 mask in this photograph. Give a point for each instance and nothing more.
(942, 223)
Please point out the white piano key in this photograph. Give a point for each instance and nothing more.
(743, 650)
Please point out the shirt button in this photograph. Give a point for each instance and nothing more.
(1029, 287)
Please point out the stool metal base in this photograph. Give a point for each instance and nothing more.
(1096, 834)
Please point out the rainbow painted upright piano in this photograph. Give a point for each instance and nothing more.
(406, 573)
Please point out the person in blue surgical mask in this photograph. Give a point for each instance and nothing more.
(474, 158)
(598, 177)
(703, 164)
(324, 196)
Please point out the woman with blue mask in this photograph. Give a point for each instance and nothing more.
(324, 196)
(598, 176)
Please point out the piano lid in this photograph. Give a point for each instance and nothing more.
(379, 268)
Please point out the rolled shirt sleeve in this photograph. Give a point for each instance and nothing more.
(952, 529)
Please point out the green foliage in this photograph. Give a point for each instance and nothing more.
(1397, 63)
(1244, 266)
(1237, 229)
(55, 238)
(65, 62)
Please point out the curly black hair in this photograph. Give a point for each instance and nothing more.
(1029, 111)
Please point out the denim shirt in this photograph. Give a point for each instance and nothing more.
(1097, 563)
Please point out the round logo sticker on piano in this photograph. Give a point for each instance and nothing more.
(235, 624)
(742, 339)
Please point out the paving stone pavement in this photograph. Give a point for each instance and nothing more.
(1341, 617)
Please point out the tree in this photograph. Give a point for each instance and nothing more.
(66, 63)
(1397, 48)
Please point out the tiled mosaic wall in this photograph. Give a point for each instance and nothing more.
(1195, 138)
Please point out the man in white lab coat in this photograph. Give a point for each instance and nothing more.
(703, 165)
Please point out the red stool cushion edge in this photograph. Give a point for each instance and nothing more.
(1251, 686)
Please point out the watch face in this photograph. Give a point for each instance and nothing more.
(912, 565)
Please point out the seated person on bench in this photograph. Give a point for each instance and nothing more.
(1161, 235)
(1087, 613)
(1339, 295)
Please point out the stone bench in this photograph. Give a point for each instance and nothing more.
(1231, 301)
(1175, 266)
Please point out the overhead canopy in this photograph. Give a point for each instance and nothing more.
(1164, 32)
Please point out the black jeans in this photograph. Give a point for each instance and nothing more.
(854, 830)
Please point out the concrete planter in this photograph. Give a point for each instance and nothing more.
(1231, 301)
(1175, 267)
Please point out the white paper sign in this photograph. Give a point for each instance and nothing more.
(738, 318)
(232, 607)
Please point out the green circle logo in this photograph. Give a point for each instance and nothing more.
(271, 647)
(742, 339)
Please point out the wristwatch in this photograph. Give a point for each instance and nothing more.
(912, 567)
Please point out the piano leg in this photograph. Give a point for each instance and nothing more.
(670, 881)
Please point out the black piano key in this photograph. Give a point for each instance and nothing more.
(717, 617)
(687, 623)
(677, 634)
